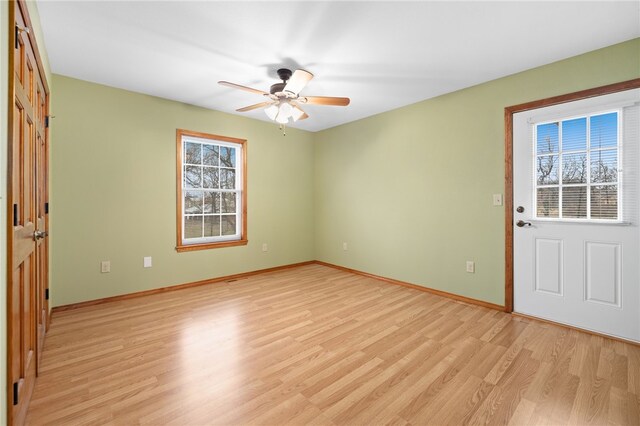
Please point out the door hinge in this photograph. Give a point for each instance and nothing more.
(15, 215)
(46, 208)
(18, 28)
(46, 121)
(46, 294)
(15, 393)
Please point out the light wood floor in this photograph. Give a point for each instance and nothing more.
(314, 345)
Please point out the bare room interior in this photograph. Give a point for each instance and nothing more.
(320, 212)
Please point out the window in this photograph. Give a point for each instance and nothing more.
(212, 195)
(577, 173)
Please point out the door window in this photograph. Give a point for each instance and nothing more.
(577, 173)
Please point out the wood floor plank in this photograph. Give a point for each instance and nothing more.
(368, 408)
(461, 404)
(315, 345)
(516, 380)
(523, 413)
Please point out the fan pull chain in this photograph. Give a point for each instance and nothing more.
(284, 129)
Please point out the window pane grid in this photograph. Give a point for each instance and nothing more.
(576, 165)
(211, 197)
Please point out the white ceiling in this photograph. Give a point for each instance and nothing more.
(383, 55)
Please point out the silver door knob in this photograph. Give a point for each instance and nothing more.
(38, 235)
(522, 223)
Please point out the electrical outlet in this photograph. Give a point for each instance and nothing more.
(105, 266)
(471, 266)
(265, 247)
(147, 262)
(345, 247)
(497, 199)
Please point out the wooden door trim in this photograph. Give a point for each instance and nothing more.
(508, 163)
(9, 225)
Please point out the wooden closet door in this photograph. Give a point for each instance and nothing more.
(27, 257)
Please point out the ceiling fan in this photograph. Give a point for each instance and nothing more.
(284, 98)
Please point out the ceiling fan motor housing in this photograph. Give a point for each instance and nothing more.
(278, 87)
(284, 74)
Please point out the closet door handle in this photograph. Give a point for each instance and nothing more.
(38, 235)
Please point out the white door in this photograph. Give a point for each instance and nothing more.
(576, 211)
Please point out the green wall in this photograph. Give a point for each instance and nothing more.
(410, 190)
(114, 186)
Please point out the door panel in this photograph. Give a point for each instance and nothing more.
(603, 273)
(579, 273)
(27, 258)
(548, 258)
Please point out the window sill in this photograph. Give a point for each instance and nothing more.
(580, 222)
(207, 246)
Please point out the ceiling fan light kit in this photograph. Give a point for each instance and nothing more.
(283, 104)
(272, 111)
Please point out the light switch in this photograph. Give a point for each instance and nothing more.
(147, 262)
(497, 199)
(471, 266)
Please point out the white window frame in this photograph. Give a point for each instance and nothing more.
(589, 184)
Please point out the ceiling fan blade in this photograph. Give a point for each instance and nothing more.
(297, 113)
(255, 106)
(245, 88)
(298, 80)
(324, 100)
